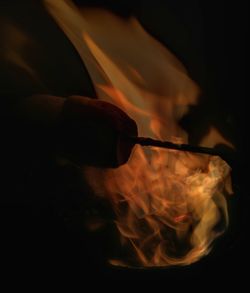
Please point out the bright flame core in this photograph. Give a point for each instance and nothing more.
(169, 205)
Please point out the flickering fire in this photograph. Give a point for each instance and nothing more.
(166, 207)
(169, 205)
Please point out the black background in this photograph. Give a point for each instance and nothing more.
(210, 39)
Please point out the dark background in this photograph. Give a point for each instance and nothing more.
(210, 39)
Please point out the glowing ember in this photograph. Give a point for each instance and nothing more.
(169, 205)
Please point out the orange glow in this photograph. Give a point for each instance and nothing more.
(169, 205)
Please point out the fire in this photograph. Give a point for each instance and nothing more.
(169, 205)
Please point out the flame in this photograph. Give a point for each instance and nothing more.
(213, 138)
(15, 44)
(169, 205)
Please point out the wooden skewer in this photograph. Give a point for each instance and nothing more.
(146, 141)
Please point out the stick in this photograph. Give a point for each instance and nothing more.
(145, 141)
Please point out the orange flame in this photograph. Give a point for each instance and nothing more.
(168, 204)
